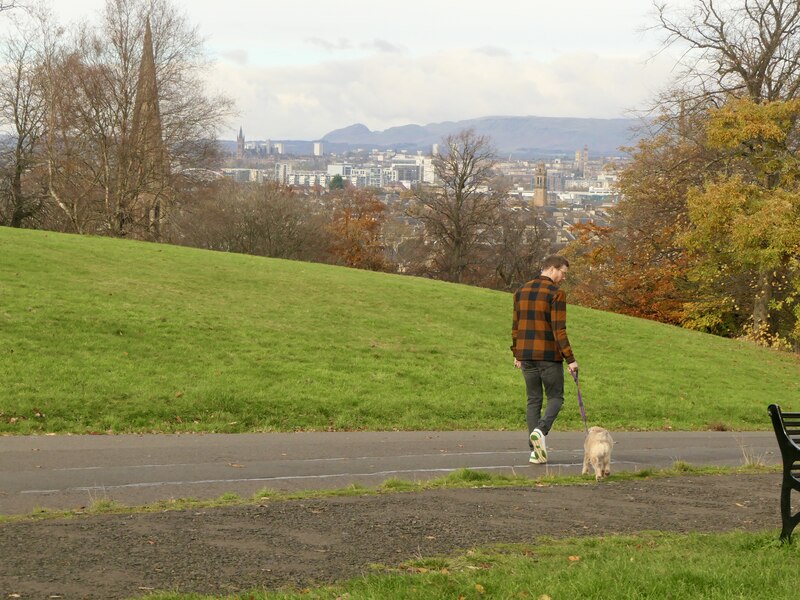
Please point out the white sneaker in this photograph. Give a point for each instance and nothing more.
(539, 447)
(534, 459)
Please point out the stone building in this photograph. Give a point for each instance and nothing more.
(149, 158)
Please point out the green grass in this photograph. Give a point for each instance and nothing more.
(105, 335)
(647, 566)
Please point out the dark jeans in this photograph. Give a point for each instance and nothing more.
(549, 375)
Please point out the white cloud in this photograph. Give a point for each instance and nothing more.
(330, 46)
(306, 102)
(238, 56)
(383, 46)
(299, 70)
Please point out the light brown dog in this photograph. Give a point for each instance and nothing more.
(597, 451)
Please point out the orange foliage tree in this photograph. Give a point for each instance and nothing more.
(358, 218)
(637, 265)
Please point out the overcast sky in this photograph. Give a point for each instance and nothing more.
(299, 69)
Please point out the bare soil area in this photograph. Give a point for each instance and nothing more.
(312, 542)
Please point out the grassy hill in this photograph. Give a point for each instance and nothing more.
(104, 335)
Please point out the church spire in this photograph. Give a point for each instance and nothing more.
(151, 165)
(240, 144)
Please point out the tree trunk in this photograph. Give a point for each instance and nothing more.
(761, 323)
(20, 212)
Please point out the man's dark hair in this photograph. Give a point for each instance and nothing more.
(554, 261)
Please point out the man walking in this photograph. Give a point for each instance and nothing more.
(540, 345)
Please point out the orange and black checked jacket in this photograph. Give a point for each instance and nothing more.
(539, 331)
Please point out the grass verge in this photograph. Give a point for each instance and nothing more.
(461, 478)
(650, 565)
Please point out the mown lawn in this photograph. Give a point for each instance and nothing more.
(105, 335)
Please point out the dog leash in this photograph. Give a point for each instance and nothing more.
(580, 402)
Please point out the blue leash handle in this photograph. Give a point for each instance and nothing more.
(580, 401)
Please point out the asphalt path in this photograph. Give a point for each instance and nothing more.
(74, 471)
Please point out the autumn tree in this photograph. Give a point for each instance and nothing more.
(356, 228)
(461, 210)
(738, 56)
(654, 259)
(746, 220)
(637, 265)
(93, 147)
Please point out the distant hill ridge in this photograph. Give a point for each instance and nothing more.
(520, 137)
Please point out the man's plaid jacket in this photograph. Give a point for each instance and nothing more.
(539, 331)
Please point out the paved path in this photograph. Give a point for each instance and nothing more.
(67, 472)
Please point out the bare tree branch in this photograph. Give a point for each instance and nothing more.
(461, 210)
(751, 49)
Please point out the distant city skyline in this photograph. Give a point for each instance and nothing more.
(300, 70)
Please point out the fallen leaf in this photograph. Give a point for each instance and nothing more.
(479, 588)
(574, 558)
(545, 597)
(235, 465)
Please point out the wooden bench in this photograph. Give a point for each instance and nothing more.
(787, 430)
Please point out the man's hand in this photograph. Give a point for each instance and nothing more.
(573, 368)
(517, 364)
